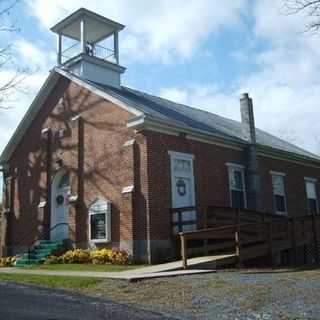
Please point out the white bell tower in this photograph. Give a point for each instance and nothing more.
(88, 46)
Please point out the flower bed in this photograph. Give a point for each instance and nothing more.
(7, 262)
(98, 256)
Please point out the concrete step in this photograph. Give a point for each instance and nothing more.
(38, 253)
(57, 242)
(46, 246)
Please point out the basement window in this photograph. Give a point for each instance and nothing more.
(279, 195)
(311, 191)
(237, 185)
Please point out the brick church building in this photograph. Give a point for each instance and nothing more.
(101, 164)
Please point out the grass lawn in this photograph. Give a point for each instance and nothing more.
(283, 294)
(71, 283)
(85, 267)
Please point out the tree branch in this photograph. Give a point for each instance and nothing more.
(310, 7)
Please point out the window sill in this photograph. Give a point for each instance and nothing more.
(282, 213)
(99, 241)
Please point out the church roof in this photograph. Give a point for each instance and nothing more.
(198, 119)
(146, 106)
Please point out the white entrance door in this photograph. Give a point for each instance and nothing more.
(60, 206)
(182, 188)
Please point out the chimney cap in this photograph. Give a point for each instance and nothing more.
(244, 95)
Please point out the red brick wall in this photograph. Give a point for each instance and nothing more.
(108, 166)
(211, 180)
(294, 183)
(210, 170)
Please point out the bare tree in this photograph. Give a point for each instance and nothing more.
(311, 8)
(17, 74)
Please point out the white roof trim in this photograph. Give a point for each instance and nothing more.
(171, 127)
(99, 92)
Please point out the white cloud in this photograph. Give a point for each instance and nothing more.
(31, 55)
(163, 30)
(286, 89)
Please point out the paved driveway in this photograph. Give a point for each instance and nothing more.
(22, 302)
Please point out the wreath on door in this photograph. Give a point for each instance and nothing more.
(181, 187)
(60, 199)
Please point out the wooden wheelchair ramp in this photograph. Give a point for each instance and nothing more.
(231, 236)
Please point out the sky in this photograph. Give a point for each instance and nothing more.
(203, 53)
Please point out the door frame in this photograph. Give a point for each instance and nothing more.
(174, 155)
(54, 188)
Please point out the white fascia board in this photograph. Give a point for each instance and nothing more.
(99, 92)
(173, 128)
(269, 152)
(29, 116)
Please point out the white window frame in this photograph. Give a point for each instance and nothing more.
(282, 175)
(314, 181)
(106, 211)
(239, 167)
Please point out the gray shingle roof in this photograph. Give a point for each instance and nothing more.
(193, 118)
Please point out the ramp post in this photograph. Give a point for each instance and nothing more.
(269, 241)
(237, 245)
(205, 226)
(315, 237)
(184, 252)
(294, 239)
(237, 238)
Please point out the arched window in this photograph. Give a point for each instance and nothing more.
(99, 221)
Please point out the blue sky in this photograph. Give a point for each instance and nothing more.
(199, 52)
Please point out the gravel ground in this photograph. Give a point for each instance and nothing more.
(248, 294)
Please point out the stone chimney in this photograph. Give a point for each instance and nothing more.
(254, 198)
(247, 118)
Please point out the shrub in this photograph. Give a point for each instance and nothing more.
(98, 256)
(119, 257)
(106, 256)
(7, 262)
(76, 256)
(53, 260)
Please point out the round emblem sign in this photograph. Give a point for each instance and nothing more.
(181, 187)
(60, 199)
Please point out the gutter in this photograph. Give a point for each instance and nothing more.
(287, 156)
(145, 122)
(151, 122)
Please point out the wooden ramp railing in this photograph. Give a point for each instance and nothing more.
(251, 235)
